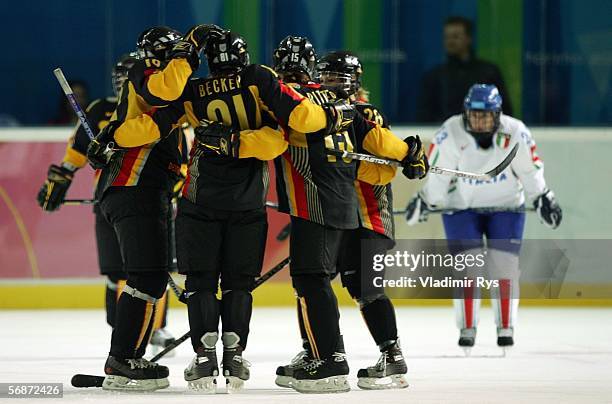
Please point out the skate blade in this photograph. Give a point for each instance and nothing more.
(334, 384)
(467, 350)
(506, 350)
(234, 384)
(121, 383)
(382, 383)
(284, 381)
(203, 385)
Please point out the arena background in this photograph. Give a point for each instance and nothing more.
(554, 54)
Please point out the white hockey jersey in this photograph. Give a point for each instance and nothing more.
(453, 147)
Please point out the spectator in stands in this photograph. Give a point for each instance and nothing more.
(65, 114)
(443, 87)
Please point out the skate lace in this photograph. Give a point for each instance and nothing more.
(382, 363)
(140, 363)
(313, 364)
(299, 359)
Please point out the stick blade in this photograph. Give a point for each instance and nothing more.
(505, 163)
(81, 381)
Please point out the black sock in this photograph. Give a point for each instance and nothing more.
(132, 327)
(203, 309)
(379, 316)
(135, 313)
(236, 309)
(320, 314)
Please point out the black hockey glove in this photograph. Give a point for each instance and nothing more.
(52, 193)
(216, 138)
(548, 209)
(197, 35)
(340, 115)
(415, 164)
(102, 148)
(186, 50)
(417, 210)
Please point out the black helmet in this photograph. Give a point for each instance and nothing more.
(226, 52)
(155, 42)
(341, 67)
(295, 54)
(121, 69)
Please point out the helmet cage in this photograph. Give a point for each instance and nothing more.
(121, 69)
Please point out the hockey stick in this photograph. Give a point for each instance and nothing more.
(489, 175)
(77, 202)
(81, 380)
(73, 102)
(285, 231)
(178, 292)
(476, 210)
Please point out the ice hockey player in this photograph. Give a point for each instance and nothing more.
(470, 141)
(342, 69)
(53, 192)
(134, 195)
(318, 191)
(223, 204)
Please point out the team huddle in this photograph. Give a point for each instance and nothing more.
(203, 212)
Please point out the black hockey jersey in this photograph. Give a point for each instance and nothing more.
(316, 186)
(375, 201)
(151, 84)
(247, 101)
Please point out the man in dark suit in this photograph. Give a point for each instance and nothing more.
(444, 86)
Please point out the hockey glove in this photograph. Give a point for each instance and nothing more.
(340, 115)
(417, 211)
(186, 50)
(52, 193)
(101, 148)
(415, 164)
(198, 35)
(548, 209)
(214, 137)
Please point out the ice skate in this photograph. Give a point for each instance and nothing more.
(134, 375)
(505, 339)
(387, 373)
(467, 339)
(323, 375)
(160, 339)
(201, 374)
(235, 367)
(284, 374)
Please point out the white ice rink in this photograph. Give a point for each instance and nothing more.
(562, 355)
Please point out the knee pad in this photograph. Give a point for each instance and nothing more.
(308, 284)
(367, 300)
(115, 277)
(242, 283)
(148, 286)
(201, 282)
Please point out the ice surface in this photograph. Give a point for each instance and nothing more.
(561, 355)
